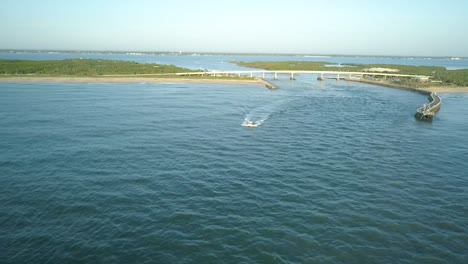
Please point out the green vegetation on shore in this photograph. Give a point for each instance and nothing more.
(117, 68)
(446, 77)
(83, 68)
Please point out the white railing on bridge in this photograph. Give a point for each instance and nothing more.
(292, 73)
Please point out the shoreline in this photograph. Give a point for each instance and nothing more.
(129, 80)
(257, 81)
(425, 90)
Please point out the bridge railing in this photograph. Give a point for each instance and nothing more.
(290, 72)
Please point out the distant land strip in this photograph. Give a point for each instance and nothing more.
(106, 71)
(117, 71)
(441, 79)
(58, 79)
(198, 53)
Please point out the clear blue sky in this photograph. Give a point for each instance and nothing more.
(367, 27)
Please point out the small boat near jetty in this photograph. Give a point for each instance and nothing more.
(427, 111)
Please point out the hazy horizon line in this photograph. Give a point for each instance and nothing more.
(226, 53)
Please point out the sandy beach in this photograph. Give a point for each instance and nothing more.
(424, 90)
(446, 89)
(261, 82)
(128, 80)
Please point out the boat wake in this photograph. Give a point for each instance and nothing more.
(257, 117)
(252, 122)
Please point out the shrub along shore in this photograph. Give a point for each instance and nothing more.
(83, 67)
(105, 71)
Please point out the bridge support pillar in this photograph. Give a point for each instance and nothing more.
(321, 78)
(251, 74)
(292, 76)
(337, 76)
(276, 76)
(263, 74)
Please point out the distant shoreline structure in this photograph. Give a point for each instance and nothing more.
(208, 53)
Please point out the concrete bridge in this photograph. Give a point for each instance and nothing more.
(331, 74)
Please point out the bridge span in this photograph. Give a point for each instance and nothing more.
(335, 74)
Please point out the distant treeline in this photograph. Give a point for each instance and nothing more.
(83, 67)
(456, 77)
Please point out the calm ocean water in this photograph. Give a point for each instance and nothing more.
(338, 172)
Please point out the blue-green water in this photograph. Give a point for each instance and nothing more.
(164, 173)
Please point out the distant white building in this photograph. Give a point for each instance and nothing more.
(422, 79)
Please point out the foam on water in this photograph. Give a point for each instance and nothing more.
(259, 114)
(254, 119)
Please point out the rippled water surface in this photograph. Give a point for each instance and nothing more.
(337, 172)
